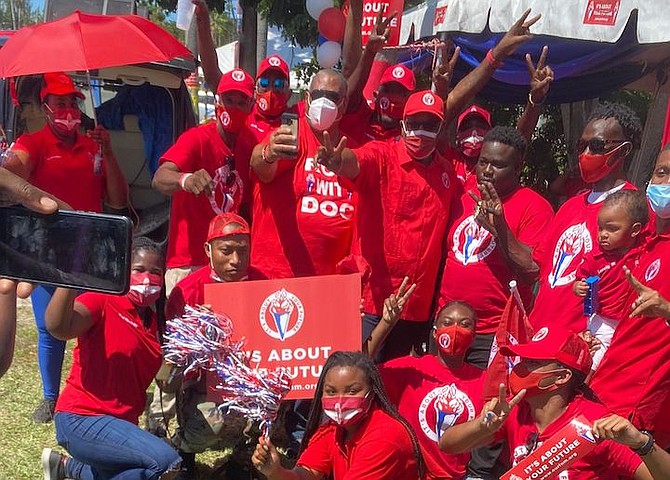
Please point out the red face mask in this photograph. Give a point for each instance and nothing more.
(596, 167)
(145, 288)
(65, 120)
(420, 143)
(271, 103)
(346, 409)
(231, 119)
(470, 142)
(385, 106)
(521, 378)
(454, 340)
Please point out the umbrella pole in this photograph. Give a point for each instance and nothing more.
(90, 91)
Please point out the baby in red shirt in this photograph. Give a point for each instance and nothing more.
(621, 223)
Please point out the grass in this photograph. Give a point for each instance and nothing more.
(21, 440)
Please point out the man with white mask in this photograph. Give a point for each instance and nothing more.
(303, 217)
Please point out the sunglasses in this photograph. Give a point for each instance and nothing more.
(330, 95)
(277, 83)
(230, 163)
(531, 442)
(597, 146)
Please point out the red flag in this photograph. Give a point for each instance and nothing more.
(513, 329)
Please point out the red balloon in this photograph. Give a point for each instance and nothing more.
(331, 24)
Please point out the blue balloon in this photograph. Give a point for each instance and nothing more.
(322, 39)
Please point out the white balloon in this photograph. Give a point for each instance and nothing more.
(315, 7)
(328, 54)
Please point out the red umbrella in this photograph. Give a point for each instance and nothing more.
(84, 41)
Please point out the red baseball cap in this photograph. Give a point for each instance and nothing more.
(554, 343)
(424, 101)
(273, 62)
(400, 74)
(474, 110)
(60, 84)
(236, 80)
(223, 220)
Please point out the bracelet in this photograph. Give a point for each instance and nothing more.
(532, 103)
(647, 447)
(492, 60)
(182, 180)
(264, 154)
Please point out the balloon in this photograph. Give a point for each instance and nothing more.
(328, 54)
(315, 7)
(322, 39)
(331, 24)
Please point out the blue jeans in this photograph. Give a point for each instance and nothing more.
(50, 350)
(106, 447)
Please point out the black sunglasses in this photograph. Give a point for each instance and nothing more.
(596, 145)
(230, 163)
(330, 95)
(277, 84)
(531, 442)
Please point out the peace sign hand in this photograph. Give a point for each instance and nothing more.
(496, 410)
(488, 208)
(330, 157)
(443, 72)
(515, 36)
(394, 304)
(541, 76)
(649, 302)
(380, 33)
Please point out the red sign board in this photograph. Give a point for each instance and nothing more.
(601, 12)
(568, 445)
(294, 323)
(371, 9)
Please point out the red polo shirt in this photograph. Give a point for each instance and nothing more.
(607, 461)
(381, 449)
(403, 211)
(65, 172)
(572, 234)
(113, 362)
(303, 218)
(634, 377)
(197, 148)
(433, 398)
(474, 257)
(361, 126)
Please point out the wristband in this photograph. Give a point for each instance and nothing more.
(532, 103)
(492, 60)
(182, 180)
(264, 154)
(647, 447)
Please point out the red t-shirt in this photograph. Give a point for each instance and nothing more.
(607, 461)
(362, 126)
(613, 288)
(465, 171)
(572, 234)
(433, 397)
(303, 218)
(402, 219)
(197, 148)
(634, 377)
(381, 449)
(113, 362)
(68, 173)
(474, 259)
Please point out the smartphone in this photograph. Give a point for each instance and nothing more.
(80, 250)
(291, 119)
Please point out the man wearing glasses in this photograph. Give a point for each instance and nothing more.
(606, 145)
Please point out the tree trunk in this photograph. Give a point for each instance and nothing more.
(261, 39)
(248, 37)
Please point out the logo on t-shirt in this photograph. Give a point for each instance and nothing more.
(442, 408)
(574, 242)
(227, 191)
(652, 270)
(281, 315)
(472, 243)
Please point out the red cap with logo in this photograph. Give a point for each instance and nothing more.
(557, 344)
(474, 110)
(273, 62)
(400, 74)
(217, 227)
(424, 101)
(60, 84)
(236, 80)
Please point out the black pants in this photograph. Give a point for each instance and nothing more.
(405, 338)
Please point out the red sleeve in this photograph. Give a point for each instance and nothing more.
(394, 380)
(183, 152)
(94, 303)
(318, 455)
(587, 267)
(623, 460)
(534, 224)
(175, 303)
(371, 158)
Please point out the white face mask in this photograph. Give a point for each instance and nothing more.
(322, 113)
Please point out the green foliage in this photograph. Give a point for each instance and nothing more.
(24, 14)
(171, 5)
(292, 18)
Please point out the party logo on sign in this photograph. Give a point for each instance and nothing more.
(584, 431)
(472, 243)
(573, 242)
(281, 315)
(442, 408)
(652, 270)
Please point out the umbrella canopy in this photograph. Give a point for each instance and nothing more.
(83, 41)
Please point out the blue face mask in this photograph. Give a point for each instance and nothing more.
(659, 198)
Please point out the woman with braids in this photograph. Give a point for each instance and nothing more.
(116, 357)
(548, 391)
(363, 437)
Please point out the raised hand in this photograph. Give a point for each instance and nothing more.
(580, 288)
(541, 76)
(380, 33)
(488, 207)
(515, 36)
(394, 304)
(282, 144)
(649, 302)
(329, 156)
(496, 410)
(443, 71)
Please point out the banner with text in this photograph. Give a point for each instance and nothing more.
(294, 323)
(371, 9)
(568, 445)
